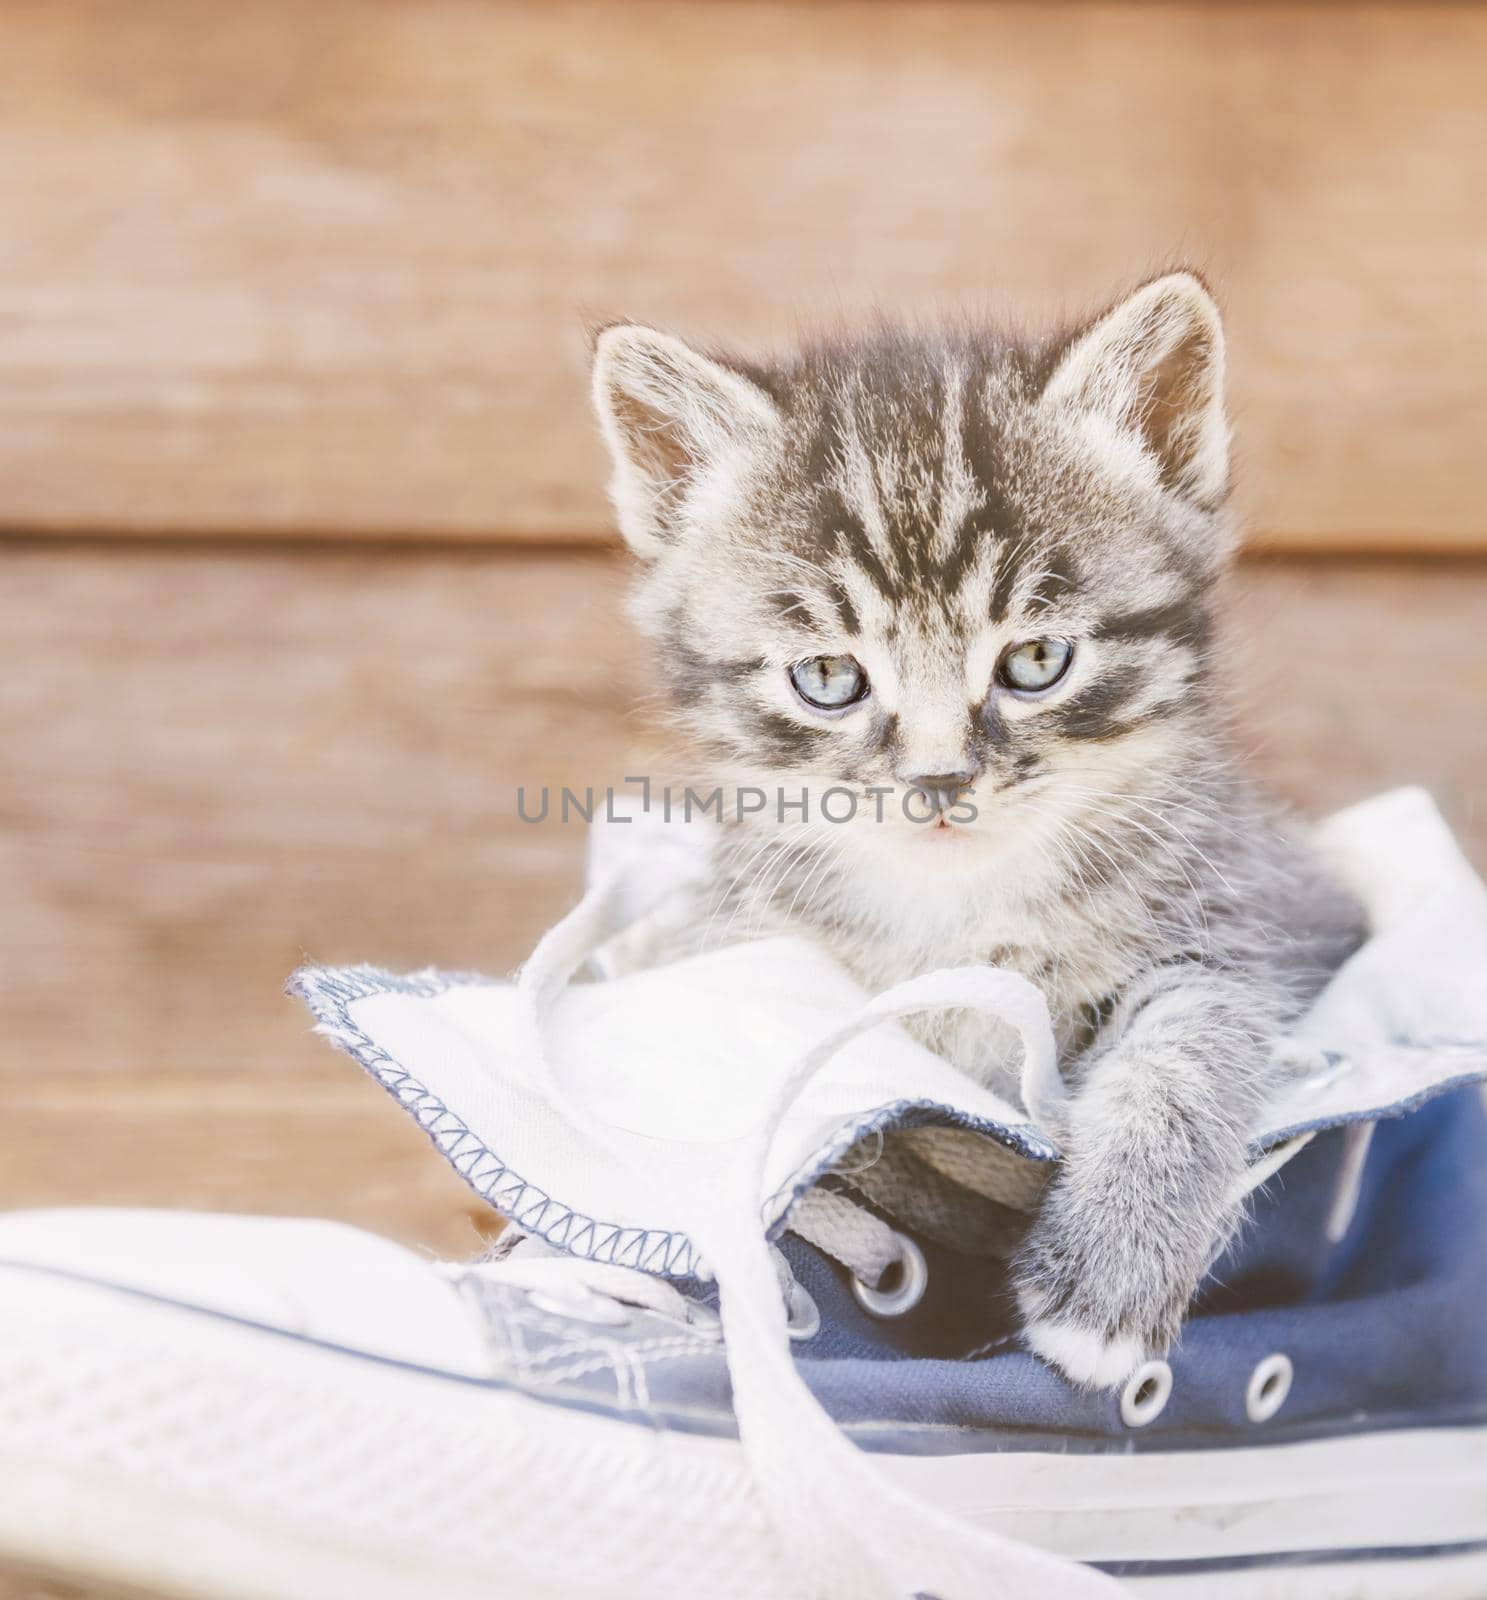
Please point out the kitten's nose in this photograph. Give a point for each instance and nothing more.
(944, 788)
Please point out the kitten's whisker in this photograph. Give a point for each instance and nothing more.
(1177, 861)
(734, 875)
(829, 858)
(766, 908)
(763, 892)
(1139, 900)
(1186, 837)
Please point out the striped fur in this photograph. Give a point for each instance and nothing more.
(924, 502)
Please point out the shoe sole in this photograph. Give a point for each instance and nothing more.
(156, 1448)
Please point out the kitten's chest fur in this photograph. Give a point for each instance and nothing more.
(886, 926)
(1071, 969)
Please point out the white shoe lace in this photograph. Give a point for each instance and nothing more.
(888, 1272)
(846, 1530)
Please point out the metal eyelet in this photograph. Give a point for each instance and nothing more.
(901, 1287)
(1146, 1393)
(803, 1316)
(1269, 1385)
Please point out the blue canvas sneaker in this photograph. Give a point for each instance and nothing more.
(750, 1333)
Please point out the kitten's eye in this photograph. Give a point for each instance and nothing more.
(829, 682)
(1038, 664)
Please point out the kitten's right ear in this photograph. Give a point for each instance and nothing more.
(667, 415)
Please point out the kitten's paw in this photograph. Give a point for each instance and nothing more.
(1097, 1300)
(1084, 1355)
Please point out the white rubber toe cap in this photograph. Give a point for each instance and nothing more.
(323, 1280)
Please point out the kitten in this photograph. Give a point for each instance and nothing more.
(979, 571)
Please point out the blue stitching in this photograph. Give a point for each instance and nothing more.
(330, 992)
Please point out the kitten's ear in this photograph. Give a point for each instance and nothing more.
(1154, 365)
(667, 414)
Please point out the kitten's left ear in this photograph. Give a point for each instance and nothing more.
(1154, 366)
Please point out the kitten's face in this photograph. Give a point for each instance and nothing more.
(917, 559)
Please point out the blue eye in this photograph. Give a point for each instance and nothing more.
(829, 682)
(1036, 665)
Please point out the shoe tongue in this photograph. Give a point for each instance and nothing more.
(956, 1188)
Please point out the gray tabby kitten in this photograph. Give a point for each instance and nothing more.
(982, 568)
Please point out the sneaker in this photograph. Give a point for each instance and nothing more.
(750, 1338)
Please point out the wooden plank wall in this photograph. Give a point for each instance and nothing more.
(277, 267)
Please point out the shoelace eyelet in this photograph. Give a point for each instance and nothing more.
(1269, 1385)
(803, 1315)
(907, 1279)
(1146, 1393)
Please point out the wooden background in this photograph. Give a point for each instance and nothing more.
(277, 267)
(300, 505)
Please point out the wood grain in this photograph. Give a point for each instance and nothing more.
(283, 268)
(15, 1585)
(218, 768)
(324, 1142)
